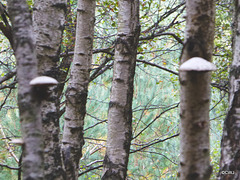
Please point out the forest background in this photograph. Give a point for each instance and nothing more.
(155, 145)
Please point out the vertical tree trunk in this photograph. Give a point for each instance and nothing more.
(48, 21)
(230, 145)
(195, 92)
(29, 106)
(76, 95)
(63, 68)
(120, 106)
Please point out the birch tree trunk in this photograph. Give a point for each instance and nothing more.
(120, 106)
(230, 145)
(195, 92)
(76, 95)
(48, 23)
(29, 106)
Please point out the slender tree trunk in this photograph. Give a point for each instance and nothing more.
(230, 145)
(29, 106)
(63, 68)
(76, 95)
(48, 21)
(195, 92)
(120, 106)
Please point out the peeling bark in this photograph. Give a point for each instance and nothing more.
(76, 95)
(230, 144)
(48, 21)
(195, 92)
(29, 105)
(120, 106)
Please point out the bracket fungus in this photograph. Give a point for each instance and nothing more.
(41, 86)
(197, 64)
(43, 81)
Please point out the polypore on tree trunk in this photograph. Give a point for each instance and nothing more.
(197, 64)
(41, 86)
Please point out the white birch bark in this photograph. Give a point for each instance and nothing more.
(195, 92)
(120, 106)
(48, 23)
(76, 95)
(230, 145)
(29, 106)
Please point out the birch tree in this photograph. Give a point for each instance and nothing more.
(24, 48)
(195, 91)
(76, 95)
(230, 145)
(120, 106)
(48, 21)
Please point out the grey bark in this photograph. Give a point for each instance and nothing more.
(230, 144)
(76, 95)
(195, 92)
(29, 105)
(48, 23)
(120, 106)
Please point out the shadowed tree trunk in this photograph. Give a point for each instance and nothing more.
(120, 106)
(48, 21)
(76, 95)
(5, 27)
(29, 105)
(230, 145)
(195, 92)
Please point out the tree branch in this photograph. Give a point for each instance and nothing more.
(9, 167)
(11, 85)
(8, 76)
(155, 65)
(161, 140)
(155, 119)
(5, 27)
(90, 169)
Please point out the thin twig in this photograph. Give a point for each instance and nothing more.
(9, 167)
(156, 65)
(155, 119)
(161, 140)
(90, 169)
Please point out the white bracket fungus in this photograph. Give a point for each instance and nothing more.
(41, 86)
(43, 81)
(197, 64)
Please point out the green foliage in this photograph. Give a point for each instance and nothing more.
(10, 126)
(223, 42)
(30, 3)
(156, 91)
